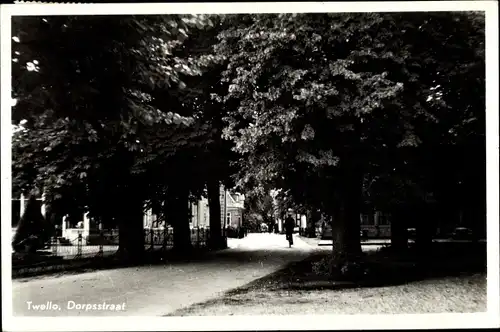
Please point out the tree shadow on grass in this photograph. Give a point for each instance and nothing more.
(385, 269)
(381, 269)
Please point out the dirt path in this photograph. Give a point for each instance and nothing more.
(160, 289)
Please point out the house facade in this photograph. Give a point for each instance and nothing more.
(235, 207)
(376, 225)
(372, 225)
(232, 206)
(199, 213)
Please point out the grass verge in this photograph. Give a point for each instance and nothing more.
(451, 280)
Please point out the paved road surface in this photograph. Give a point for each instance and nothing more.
(159, 289)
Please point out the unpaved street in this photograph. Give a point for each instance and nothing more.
(159, 289)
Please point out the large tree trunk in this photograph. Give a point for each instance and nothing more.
(31, 229)
(346, 220)
(399, 233)
(131, 229)
(178, 206)
(477, 209)
(424, 228)
(216, 239)
(307, 230)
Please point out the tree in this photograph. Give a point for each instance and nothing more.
(323, 99)
(430, 176)
(213, 160)
(262, 205)
(82, 137)
(33, 230)
(298, 95)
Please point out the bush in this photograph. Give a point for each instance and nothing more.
(353, 269)
(322, 267)
(232, 232)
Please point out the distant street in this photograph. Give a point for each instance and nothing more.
(160, 289)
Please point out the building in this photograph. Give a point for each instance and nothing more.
(232, 207)
(376, 225)
(200, 214)
(235, 207)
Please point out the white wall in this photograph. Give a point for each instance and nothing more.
(303, 221)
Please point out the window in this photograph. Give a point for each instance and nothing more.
(228, 218)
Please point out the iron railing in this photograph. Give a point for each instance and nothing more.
(104, 244)
(163, 238)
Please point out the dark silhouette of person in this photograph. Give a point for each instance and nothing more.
(289, 226)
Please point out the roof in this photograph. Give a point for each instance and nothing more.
(232, 201)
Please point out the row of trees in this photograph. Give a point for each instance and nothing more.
(110, 124)
(340, 111)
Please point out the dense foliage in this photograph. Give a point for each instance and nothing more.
(340, 112)
(96, 132)
(328, 103)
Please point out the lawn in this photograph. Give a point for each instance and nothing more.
(450, 283)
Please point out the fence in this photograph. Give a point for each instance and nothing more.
(60, 251)
(163, 238)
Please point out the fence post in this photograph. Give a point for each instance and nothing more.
(164, 240)
(197, 237)
(204, 240)
(53, 245)
(79, 246)
(101, 241)
(171, 237)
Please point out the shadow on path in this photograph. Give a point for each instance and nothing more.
(255, 246)
(159, 287)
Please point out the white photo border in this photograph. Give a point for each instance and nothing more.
(295, 322)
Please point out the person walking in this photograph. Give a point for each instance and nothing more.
(289, 226)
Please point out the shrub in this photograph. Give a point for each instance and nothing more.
(322, 267)
(353, 269)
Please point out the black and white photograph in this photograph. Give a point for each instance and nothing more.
(250, 166)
